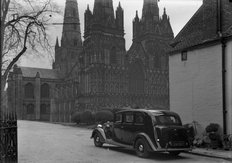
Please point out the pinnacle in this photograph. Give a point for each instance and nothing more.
(119, 4)
(136, 13)
(164, 11)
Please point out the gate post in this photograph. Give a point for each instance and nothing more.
(8, 139)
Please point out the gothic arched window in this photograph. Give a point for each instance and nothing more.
(43, 109)
(29, 90)
(45, 90)
(113, 56)
(75, 42)
(154, 51)
(30, 109)
(157, 61)
(74, 12)
(136, 77)
(74, 26)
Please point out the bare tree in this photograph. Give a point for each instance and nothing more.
(23, 27)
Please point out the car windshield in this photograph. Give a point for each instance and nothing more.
(167, 120)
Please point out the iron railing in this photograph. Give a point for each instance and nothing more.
(8, 139)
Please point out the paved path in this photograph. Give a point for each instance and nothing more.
(53, 143)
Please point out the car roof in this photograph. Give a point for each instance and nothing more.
(150, 111)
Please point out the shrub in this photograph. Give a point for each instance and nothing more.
(212, 127)
(212, 131)
(87, 117)
(76, 117)
(214, 136)
(190, 132)
(104, 116)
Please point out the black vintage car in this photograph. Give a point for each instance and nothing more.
(145, 131)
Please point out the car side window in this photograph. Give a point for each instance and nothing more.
(129, 118)
(139, 118)
(118, 118)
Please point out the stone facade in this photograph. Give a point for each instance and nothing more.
(113, 77)
(99, 72)
(30, 91)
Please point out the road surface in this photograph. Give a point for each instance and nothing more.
(40, 142)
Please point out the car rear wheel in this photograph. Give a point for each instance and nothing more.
(141, 148)
(174, 153)
(97, 141)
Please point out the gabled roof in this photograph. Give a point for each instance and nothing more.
(43, 73)
(203, 26)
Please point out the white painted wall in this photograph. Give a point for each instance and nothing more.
(196, 86)
(229, 86)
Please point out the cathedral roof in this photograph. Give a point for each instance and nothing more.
(43, 73)
(203, 26)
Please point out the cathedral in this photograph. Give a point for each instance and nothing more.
(97, 71)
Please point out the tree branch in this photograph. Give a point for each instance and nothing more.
(25, 31)
(13, 62)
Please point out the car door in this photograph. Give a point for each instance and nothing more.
(117, 127)
(139, 123)
(128, 127)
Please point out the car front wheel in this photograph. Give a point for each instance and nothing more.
(141, 148)
(97, 141)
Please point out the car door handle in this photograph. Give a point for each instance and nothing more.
(122, 127)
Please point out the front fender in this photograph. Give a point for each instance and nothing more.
(101, 133)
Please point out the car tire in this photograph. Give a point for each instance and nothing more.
(174, 153)
(97, 141)
(141, 148)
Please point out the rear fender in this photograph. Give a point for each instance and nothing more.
(146, 138)
(101, 133)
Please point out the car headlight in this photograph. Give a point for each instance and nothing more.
(99, 126)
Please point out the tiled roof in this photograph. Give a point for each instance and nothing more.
(202, 27)
(43, 73)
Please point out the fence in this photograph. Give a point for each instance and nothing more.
(8, 139)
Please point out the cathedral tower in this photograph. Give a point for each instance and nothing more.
(149, 85)
(150, 10)
(104, 47)
(66, 54)
(151, 23)
(103, 18)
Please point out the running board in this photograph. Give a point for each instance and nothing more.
(110, 141)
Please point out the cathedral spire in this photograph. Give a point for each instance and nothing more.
(119, 5)
(103, 9)
(71, 35)
(150, 10)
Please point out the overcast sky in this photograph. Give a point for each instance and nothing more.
(179, 11)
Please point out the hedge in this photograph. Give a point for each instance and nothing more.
(104, 116)
(83, 117)
(76, 117)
